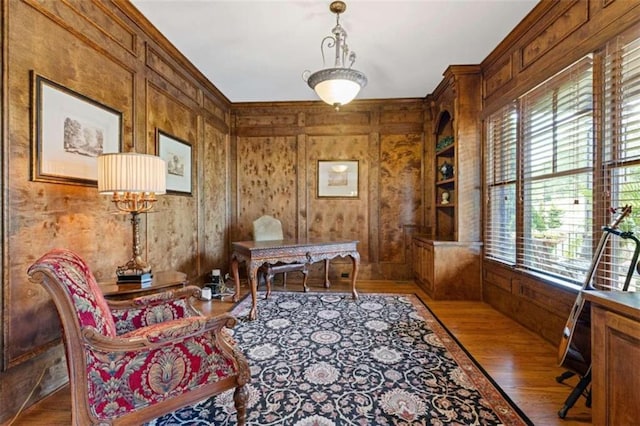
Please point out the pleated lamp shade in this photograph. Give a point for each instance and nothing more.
(131, 172)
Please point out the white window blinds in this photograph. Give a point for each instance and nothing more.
(619, 179)
(552, 180)
(557, 144)
(500, 181)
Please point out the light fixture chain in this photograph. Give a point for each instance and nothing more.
(336, 86)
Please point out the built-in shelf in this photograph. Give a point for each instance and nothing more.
(445, 179)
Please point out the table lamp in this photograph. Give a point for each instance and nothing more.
(133, 180)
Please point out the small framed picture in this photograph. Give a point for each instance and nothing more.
(338, 179)
(70, 132)
(177, 154)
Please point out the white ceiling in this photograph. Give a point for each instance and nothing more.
(257, 50)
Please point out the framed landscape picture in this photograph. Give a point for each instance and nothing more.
(177, 154)
(70, 132)
(338, 179)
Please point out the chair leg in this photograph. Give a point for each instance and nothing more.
(327, 284)
(269, 279)
(240, 397)
(576, 393)
(284, 279)
(305, 275)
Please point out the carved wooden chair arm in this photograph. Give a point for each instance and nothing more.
(156, 298)
(161, 334)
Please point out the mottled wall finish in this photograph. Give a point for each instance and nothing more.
(108, 52)
(266, 173)
(215, 198)
(45, 215)
(400, 193)
(339, 218)
(173, 224)
(277, 152)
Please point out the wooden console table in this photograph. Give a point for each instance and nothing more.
(162, 281)
(302, 250)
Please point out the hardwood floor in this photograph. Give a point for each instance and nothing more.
(522, 364)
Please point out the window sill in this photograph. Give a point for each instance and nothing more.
(555, 282)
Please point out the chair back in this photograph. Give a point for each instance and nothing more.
(75, 291)
(267, 228)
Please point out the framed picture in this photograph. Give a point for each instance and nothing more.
(338, 178)
(70, 132)
(177, 154)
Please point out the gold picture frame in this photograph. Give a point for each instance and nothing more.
(338, 179)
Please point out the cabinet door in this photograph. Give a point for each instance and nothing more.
(427, 264)
(616, 379)
(416, 252)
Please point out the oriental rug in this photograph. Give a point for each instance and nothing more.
(325, 359)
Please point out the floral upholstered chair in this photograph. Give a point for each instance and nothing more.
(134, 360)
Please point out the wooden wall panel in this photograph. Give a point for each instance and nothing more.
(44, 217)
(538, 305)
(575, 15)
(97, 49)
(156, 62)
(173, 225)
(266, 183)
(401, 203)
(339, 218)
(385, 137)
(554, 35)
(215, 199)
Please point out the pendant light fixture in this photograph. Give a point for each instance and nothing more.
(339, 85)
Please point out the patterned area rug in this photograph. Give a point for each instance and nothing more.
(324, 359)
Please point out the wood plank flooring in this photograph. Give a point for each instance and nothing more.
(523, 364)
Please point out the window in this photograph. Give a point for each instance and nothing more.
(557, 144)
(546, 213)
(620, 178)
(500, 170)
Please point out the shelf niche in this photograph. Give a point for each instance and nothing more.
(445, 180)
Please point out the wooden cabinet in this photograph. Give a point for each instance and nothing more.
(447, 270)
(615, 354)
(454, 144)
(447, 263)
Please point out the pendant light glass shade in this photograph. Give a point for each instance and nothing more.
(339, 85)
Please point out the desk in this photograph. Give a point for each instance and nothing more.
(164, 280)
(302, 250)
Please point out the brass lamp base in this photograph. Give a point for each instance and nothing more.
(135, 266)
(134, 272)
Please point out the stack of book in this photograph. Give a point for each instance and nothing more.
(136, 281)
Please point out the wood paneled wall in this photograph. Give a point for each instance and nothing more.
(106, 51)
(554, 35)
(276, 151)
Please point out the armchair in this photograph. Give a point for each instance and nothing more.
(134, 360)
